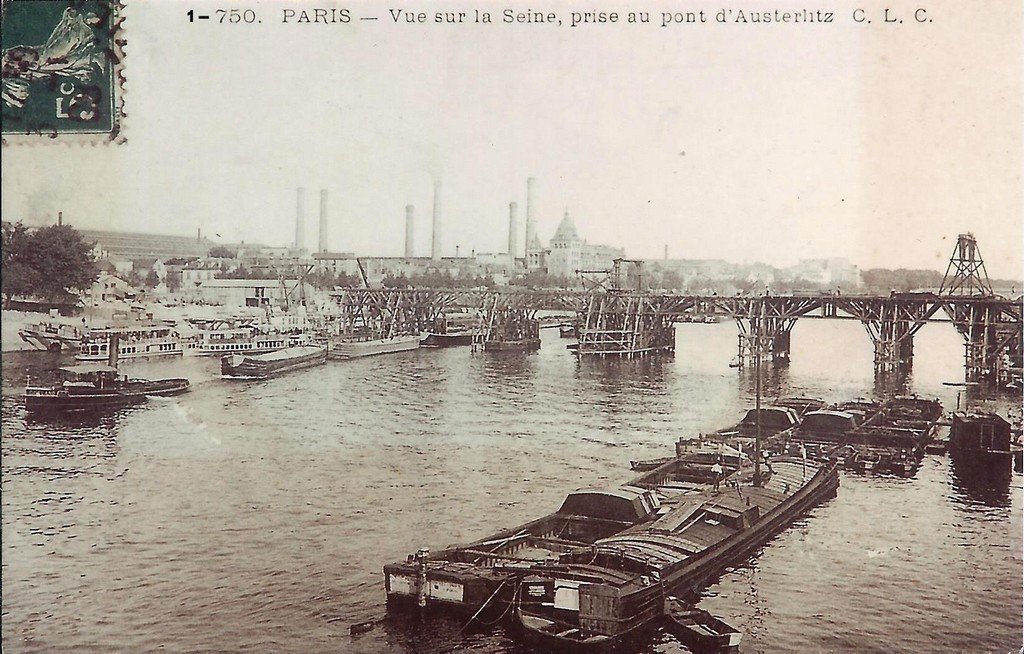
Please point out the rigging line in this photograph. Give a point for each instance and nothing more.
(484, 605)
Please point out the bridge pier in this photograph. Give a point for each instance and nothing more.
(765, 326)
(891, 323)
(992, 350)
(623, 325)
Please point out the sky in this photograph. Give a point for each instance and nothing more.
(773, 143)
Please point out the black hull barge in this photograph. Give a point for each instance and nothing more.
(596, 572)
(264, 366)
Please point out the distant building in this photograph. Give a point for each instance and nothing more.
(129, 246)
(109, 287)
(569, 253)
(250, 292)
(827, 273)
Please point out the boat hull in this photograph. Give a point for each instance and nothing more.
(77, 399)
(447, 340)
(524, 345)
(269, 365)
(36, 402)
(358, 349)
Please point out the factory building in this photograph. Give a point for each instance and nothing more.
(569, 253)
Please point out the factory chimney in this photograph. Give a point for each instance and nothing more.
(300, 220)
(409, 225)
(531, 225)
(513, 228)
(60, 218)
(323, 220)
(435, 245)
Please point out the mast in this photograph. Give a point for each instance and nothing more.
(757, 392)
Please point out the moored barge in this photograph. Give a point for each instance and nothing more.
(354, 349)
(271, 364)
(601, 566)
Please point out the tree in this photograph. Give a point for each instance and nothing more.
(221, 252)
(63, 261)
(152, 279)
(50, 262)
(17, 272)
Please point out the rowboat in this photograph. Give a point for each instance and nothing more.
(698, 629)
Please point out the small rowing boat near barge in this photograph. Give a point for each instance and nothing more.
(698, 629)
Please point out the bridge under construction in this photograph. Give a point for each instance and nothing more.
(611, 321)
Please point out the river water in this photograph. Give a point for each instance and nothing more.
(257, 515)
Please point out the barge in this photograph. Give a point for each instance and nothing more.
(271, 364)
(449, 331)
(354, 349)
(600, 567)
(981, 440)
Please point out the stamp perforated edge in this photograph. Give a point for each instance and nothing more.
(117, 134)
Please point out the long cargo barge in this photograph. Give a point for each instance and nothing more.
(604, 562)
(354, 349)
(271, 364)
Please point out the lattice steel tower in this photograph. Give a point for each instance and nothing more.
(966, 274)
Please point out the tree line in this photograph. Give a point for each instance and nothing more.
(51, 263)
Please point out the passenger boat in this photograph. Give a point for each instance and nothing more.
(54, 335)
(95, 387)
(240, 340)
(698, 629)
(352, 349)
(134, 342)
(271, 364)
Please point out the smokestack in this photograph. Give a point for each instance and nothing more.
(300, 220)
(409, 225)
(435, 244)
(60, 218)
(513, 227)
(323, 220)
(199, 234)
(531, 225)
(666, 252)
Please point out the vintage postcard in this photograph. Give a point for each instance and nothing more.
(635, 327)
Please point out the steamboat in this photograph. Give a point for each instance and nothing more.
(133, 342)
(97, 387)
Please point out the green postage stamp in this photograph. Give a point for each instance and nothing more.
(62, 70)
